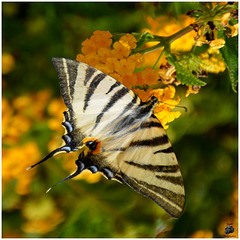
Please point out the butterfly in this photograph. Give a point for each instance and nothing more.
(117, 135)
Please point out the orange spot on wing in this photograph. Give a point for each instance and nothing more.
(98, 148)
(88, 139)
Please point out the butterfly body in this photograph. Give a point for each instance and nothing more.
(117, 134)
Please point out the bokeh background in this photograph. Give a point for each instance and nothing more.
(204, 138)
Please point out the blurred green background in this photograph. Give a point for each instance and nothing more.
(204, 138)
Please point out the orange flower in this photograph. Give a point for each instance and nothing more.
(99, 39)
(148, 76)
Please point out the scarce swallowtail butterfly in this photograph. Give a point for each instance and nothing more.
(117, 135)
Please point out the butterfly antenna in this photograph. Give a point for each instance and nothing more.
(183, 108)
(175, 106)
(80, 168)
(51, 154)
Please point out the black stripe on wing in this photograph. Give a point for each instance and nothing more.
(172, 179)
(128, 120)
(116, 84)
(155, 168)
(150, 142)
(117, 95)
(170, 195)
(93, 85)
(89, 73)
(167, 150)
(151, 124)
(157, 194)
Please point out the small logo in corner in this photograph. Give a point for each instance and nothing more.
(229, 230)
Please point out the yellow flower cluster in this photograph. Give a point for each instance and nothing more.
(117, 62)
(224, 21)
(41, 215)
(14, 163)
(212, 61)
(18, 117)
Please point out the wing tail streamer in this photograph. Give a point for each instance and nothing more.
(51, 154)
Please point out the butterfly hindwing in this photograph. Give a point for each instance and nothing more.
(149, 166)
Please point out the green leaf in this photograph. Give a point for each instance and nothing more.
(183, 74)
(230, 56)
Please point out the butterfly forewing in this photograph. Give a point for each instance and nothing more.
(134, 146)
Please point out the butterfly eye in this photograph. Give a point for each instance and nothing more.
(91, 145)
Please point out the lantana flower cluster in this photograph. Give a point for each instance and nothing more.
(116, 60)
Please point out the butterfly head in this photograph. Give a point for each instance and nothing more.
(154, 100)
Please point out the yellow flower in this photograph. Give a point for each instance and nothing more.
(234, 30)
(163, 110)
(212, 61)
(201, 40)
(11, 120)
(15, 160)
(217, 43)
(224, 19)
(41, 215)
(192, 90)
(202, 234)
(56, 108)
(8, 63)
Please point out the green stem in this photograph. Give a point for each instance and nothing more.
(165, 40)
(180, 34)
(150, 49)
(156, 63)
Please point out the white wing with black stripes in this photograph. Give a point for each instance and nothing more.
(117, 134)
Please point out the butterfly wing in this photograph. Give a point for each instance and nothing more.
(149, 166)
(91, 97)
